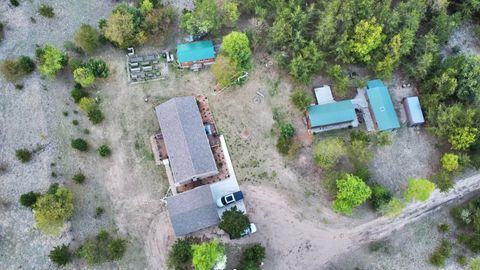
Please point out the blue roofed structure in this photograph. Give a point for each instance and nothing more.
(381, 105)
(331, 114)
(413, 111)
(200, 51)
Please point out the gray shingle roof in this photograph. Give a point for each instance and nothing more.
(192, 210)
(187, 144)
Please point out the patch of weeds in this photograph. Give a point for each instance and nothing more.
(32, 20)
(46, 11)
(14, 3)
(441, 254)
(273, 90)
(79, 178)
(462, 260)
(19, 86)
(383, 246)
(443, 228)
(75, 122)
(99, 212)
(253, 163)
(86, 131)
(307, 194)
(54, 174)
(65, 113)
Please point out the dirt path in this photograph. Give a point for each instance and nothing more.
(294, 243)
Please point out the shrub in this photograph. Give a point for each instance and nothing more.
(19, 86)
(444, 181)
(87, 104)
(98, 67)
(287, 130)
(24, 155)
(383, 138)
(206, 255)
(2, 34)
(103, 150)
(352, 192)
(225, 71)
(252, 257)
(419, 189)
(380, 196)
(87, 38)
(79, 178)
(51, 60)
(74, 63)
(78, 94)
(29, 199)
(84, 76)
(180, 253)
(95, 116)
(79, 144)
(102, 248)
(26, 64)
(449, 162)
(393, 208)
(14, 3)
(283, 145)
(474, 264)
(462, 260)
(75, 122)
(52, 209)
(301, 100)
(99, 212)
(328, 152)
(234, 222)
(443, 228)
(46, 11)
(60, 255)
(11, 71)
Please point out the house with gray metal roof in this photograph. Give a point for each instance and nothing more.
(192, 210)
(189, 154)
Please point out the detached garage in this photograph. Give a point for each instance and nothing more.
(413, 111)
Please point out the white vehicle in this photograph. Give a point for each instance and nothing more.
(250, 230)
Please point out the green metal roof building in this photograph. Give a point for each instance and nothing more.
(381, 105)
(195, 51)
(331, 114)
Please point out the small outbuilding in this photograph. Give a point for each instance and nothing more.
(195, 54)
(413, 111)
(381, 105)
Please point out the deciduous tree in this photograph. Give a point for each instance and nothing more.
(352, 192)
(206, 255)
(419, 189)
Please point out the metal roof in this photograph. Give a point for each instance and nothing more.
(186, 141)
(195, 51)
(331, 113)
(382, 106)
(323, 94)
(414, 110)
(192, 210)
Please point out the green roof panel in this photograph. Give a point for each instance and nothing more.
(331, 113)
(195, 51)
(382, 106)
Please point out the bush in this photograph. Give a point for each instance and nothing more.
(287, 130)
(252, 257)
(78, 93)
(449, 162)
(383, 138)
(14, 3)
(104, 151)
(102, 248)
(234, 222)
(24, 155)
(206, 255)
(283, 145)
(79, 178)
(26, 64)
(444, 181)
(14, 70)
(474, 264)
(51, 60)
(380, 196)
(95, 116)
(87, 104)
(52, 209)
(60, 255)
(419, 189)
(98, 67)
(393, 208)
(75, 122)
(180, 253)
(352, 192)
(87, 38)
(301, 100)
(79, 144)
(84, 76)
(46, 11)
(462, 260)
(29, 199)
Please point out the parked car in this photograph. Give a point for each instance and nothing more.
(250, 230)
(230, 198)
